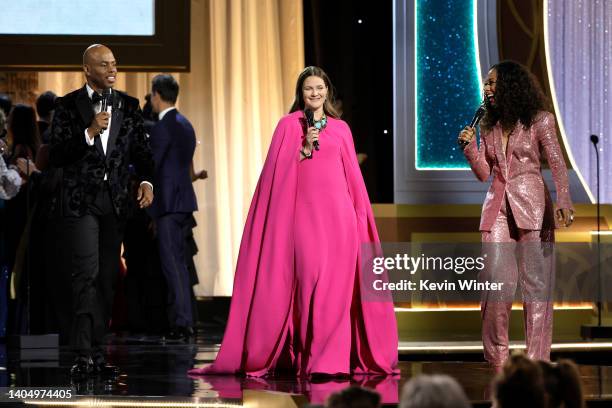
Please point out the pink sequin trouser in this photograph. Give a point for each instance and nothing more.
(525, 258)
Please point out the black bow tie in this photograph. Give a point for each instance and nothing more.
(96, 98)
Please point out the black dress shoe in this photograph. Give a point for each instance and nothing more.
(82, 368)
(178, 335)
(187, 332)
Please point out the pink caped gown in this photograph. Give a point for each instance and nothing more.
(297, 302)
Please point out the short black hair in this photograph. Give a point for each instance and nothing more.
(45, 103)
(166, 87)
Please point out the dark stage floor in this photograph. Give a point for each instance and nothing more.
(156, 375)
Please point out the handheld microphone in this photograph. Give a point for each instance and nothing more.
(106, 101)
(480, 112)
(310, 122)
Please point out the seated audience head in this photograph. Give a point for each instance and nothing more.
(45, 105)
(354, 397)
(433, 391)
(164, 92)
(520, 384)
(562, 384)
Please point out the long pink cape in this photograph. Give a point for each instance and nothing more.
(259, 317)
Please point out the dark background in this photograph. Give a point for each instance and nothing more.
(359, 61)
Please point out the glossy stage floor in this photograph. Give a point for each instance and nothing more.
(155, 374)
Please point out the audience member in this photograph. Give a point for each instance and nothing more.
(2, 125)
(10, 181)
(23, 137)
(354, 397)
(45, 105)
(6, 103)
(149, 117)
(433, 391)
(562, 384)
(23, 141)
(520, 384)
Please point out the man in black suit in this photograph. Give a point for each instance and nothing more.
(173, 143)
(96, 133)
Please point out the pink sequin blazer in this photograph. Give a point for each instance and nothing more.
(517, 174)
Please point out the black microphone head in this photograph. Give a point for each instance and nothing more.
(594, 139)
(480, 112)
(106, 98)
(309, 117)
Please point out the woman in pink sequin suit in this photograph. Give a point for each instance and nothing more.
(518, 217)
(297, 303)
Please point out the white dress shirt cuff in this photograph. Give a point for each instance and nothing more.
(89, 141)
(146, 182)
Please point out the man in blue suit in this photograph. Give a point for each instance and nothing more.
(173, 143)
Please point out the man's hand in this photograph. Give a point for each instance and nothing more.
(202, 175)
(145, 195)
(98, 125)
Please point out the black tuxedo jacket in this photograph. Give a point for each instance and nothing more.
(84, 166)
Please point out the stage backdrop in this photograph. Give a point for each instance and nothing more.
(245, 58)
(580, 50)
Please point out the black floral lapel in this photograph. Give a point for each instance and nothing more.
(86, 112)
(116, 122)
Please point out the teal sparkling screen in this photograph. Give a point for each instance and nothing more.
(447, 80)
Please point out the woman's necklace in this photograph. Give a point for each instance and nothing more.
(321, 123)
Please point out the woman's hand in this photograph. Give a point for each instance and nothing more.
(312, 135)
(466, 135)
(565, 216)
(26, 167)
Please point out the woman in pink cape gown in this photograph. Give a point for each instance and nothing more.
(296, 301)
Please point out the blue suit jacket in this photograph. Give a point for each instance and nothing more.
(173, 143)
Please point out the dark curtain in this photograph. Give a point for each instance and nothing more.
(358, 57)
